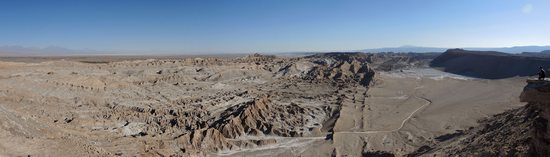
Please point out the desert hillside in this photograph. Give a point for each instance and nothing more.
(519, 132)
(331, 104)
(488, 64)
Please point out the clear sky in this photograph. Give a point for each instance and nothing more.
(272, 26)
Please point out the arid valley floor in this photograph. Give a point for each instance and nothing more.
(334, 104)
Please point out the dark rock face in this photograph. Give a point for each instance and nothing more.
(386, 61)
(488, 64)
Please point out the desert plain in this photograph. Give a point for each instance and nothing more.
(334, 104)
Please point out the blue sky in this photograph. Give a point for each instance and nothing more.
(272, 26)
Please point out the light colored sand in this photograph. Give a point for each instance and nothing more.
(403, 112)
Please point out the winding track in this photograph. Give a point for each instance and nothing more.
(288, 144)
(428, 102)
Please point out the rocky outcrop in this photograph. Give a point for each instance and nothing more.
(398, 61)
(256, 57)
(387, 61)
(299, 69)
(256, 118)
(261, 117)
(519, 132)
(151, 121)
(537, 94)
(250, 118)
(488, 64)
(339, 68)
(354, 71)
(342, 56)
(536, 91)
(203, 140)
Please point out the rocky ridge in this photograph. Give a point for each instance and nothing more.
(488, 64)
(184, 107)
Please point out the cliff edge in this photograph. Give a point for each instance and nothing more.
(537, 94)
(488, 64)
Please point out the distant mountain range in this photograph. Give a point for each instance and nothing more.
(61, 51)
(515, 49)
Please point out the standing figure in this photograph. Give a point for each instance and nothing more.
(542, 74)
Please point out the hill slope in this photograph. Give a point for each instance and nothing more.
(488, 64)
(519, 132)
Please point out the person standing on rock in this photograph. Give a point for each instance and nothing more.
(542, 74)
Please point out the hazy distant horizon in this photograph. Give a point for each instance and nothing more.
(61, 51)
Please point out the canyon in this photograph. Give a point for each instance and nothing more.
(327, 104)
